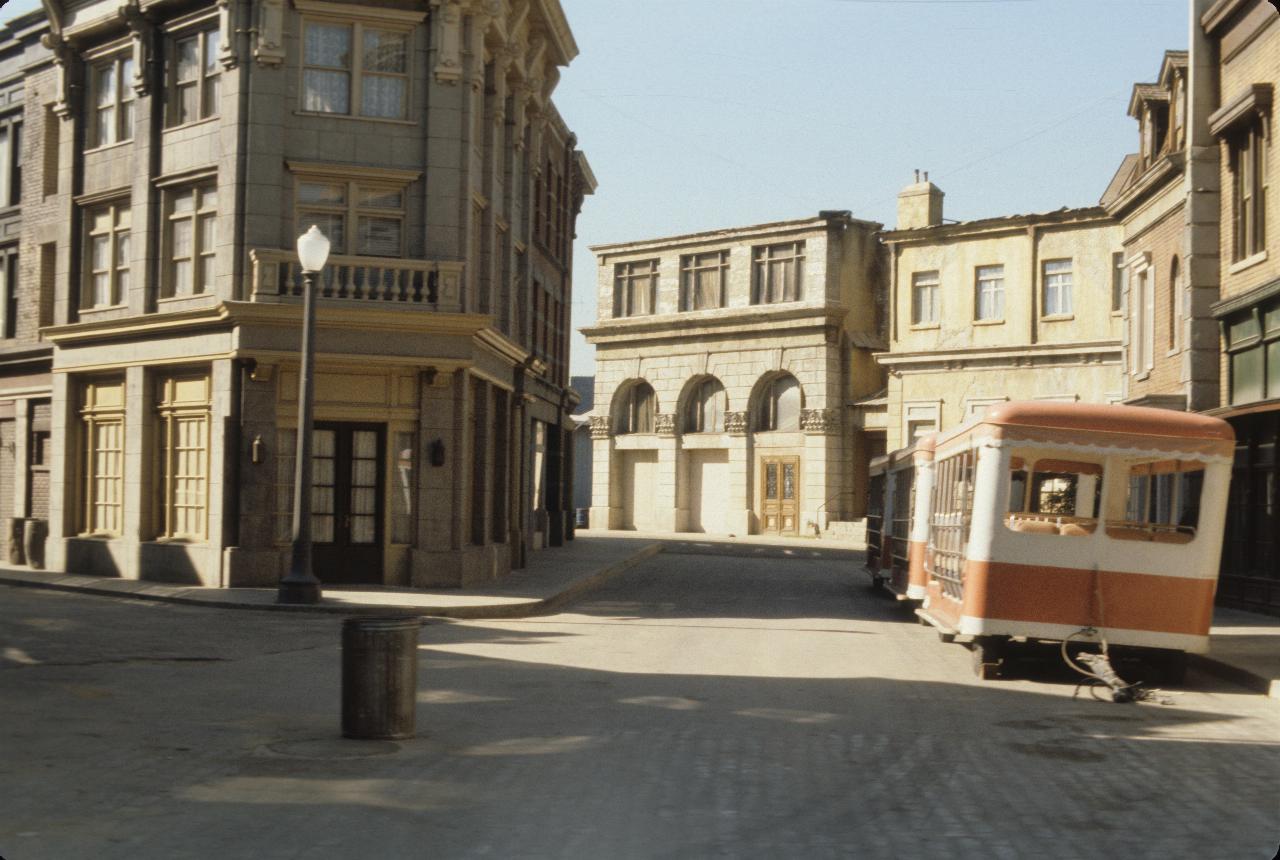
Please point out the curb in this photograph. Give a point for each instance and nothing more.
(523, 609)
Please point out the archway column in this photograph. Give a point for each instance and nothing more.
(668, 515)
(606, 483)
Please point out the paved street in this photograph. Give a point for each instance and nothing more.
(697, 706)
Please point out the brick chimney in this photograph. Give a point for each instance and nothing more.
(920, 204)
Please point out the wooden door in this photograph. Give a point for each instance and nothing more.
(347, 462)
(780, 495)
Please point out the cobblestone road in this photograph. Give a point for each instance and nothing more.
(699, 706)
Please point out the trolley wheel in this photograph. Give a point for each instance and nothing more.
(986, 659)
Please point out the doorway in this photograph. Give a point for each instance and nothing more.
(347, 462)
(779, 495)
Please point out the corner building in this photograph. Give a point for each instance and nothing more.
(727, 366)
(192, 143)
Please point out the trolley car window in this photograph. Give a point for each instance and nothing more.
(1162, 502)
(1057, 497)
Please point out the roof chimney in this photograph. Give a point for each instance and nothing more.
(920, 204)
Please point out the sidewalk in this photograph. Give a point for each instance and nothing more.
(1244, 647)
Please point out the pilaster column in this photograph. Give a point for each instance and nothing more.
(740, 516)
(606, 512)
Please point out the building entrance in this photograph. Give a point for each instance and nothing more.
(779, 479)
(348, 462)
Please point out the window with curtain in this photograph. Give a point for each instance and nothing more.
(639, 405)
(364, 218)
(106, 275)
(635, 288)
(1253, 353)
(195, 77)
(1248, 160)
(191, 240)
(702, 280)
(924, 297)
(111, 111)
(355, 69)
(780, 405)
(1057, 288)
(705, 410)
(777, 273)
(989, 293)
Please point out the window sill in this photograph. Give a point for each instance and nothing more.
(194, 122)
(180, 541)
(106, 146)
(334, 115)
(1117, 315)
(1142, 377)
(988, 322)
(102, 536)
(931, 326)
(184, 299)
(1247, 263)
(93, 311)
(1051, 318)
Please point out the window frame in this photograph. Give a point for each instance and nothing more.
(624, 275)
(95, 414)
(124, 97)
(118, 296)
(170, 410)
(355, 71)
(1065, 288)
(1254, 343)
(1247, 162)
(11, 165)
(691, 266)
(199, 253)
(639, 414)
(764, 258)
(767, 410)
(695, 418)
(919, 283)
(996, 291)
(207, 103)
(350, 210)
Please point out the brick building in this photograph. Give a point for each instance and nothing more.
(727, 366)
(180, 147)
(1238, 44)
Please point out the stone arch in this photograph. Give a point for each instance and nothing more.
(776, 402)
(634, 408)
(702, 405)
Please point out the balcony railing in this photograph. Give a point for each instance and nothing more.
(428, 284)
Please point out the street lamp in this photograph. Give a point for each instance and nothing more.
(300, 585)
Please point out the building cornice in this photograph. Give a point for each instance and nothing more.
(729, 234)
(694, 324)
(1228, 306)
(1156, 177)
(1219, 12)
(1082, 217)
(1092, 352)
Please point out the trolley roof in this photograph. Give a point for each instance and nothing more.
(1098, 418)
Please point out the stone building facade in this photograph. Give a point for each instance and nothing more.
(1168, 277)
(26, 272)
(726, 366)
(1237, 45)
(1010, 308)
(192, 141)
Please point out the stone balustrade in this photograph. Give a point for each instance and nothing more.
(429, 284)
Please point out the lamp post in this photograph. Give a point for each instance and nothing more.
(300, 585)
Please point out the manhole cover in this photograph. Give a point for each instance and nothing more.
(330, 748)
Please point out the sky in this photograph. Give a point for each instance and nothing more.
(701, 114)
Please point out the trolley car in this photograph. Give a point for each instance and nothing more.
(877, 503)
(1077, 523)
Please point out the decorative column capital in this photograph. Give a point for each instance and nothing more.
(664, 424)
(735, 423)
(600, 427)
(820, 422)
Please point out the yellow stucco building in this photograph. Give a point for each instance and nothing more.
(1021, 307)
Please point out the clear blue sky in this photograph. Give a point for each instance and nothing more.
(697, 114)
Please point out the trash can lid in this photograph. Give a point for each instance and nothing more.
(383, 622)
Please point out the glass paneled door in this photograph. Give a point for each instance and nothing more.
(348, 462)
(779, 495)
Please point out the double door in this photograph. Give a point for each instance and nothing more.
(779, 495)
(348, 462)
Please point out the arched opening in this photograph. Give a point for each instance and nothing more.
(635, 409)
(780, 404)
(705, 407)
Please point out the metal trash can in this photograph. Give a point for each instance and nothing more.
(17, 535)
(380, 677)
(34, 531)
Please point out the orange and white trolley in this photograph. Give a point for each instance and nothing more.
(1068, 522)
(910, 480)
(878, 503)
